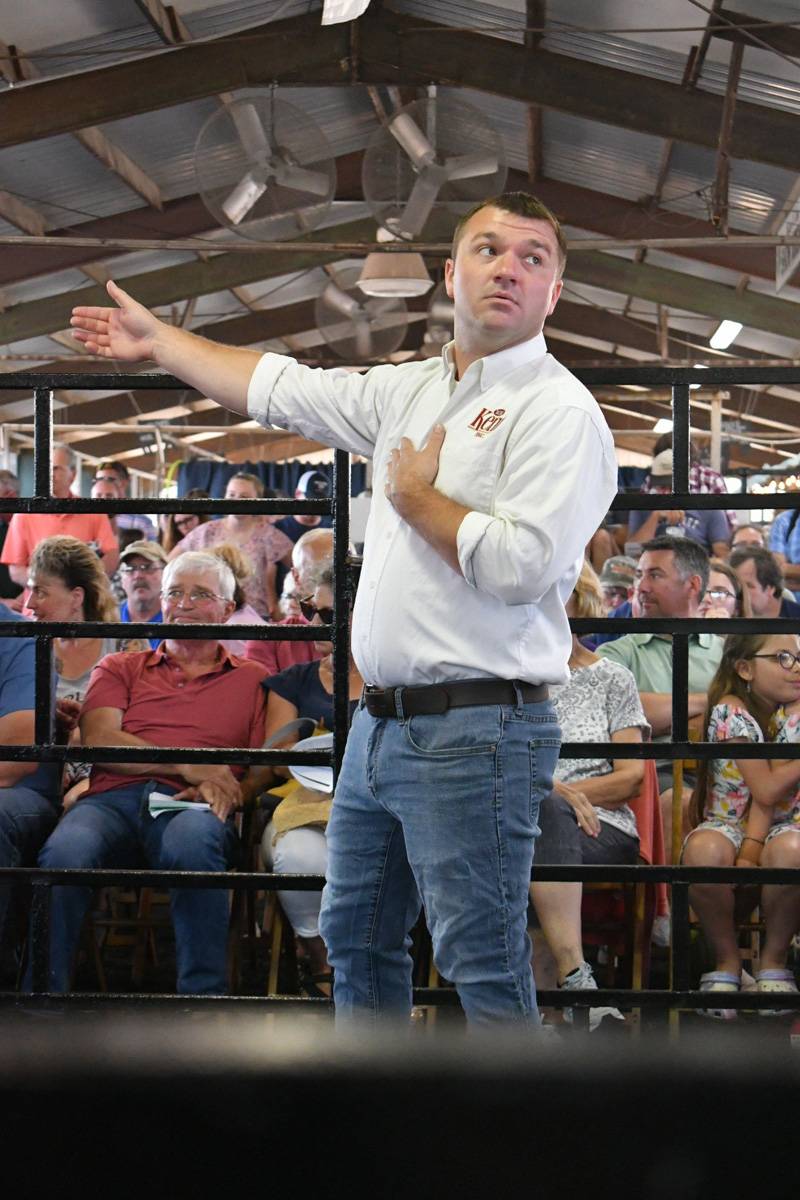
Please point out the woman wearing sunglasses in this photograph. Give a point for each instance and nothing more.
(747, 811)
(294, 841)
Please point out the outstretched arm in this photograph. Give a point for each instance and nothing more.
(131, 333)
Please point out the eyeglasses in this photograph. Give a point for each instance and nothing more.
(721, 593)
(784, 658)
(310, 610)
(177, 595)
(145, 568)
(106, 479)
(187, 519)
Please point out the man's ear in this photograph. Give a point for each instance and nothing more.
(449, 269)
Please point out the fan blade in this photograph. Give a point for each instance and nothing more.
(423, 196)
(363, 336)
(244, 196)
(467, 166)
(252, 134)
(412, 139)
(300, 180)
(341, 303)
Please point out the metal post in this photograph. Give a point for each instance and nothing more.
(680, 437)
(45, 707)
(40, 937)
(43, 443)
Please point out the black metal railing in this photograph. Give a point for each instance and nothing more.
(678, 877)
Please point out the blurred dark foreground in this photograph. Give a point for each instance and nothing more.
(211, 1103)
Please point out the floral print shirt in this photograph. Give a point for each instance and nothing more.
(728, 795)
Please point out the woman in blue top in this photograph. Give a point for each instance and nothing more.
(294, 841)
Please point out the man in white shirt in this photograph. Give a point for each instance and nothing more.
(493, 466)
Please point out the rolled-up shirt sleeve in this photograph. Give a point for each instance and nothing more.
(338, 407)
(538, 528)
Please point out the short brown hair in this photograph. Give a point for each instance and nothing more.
(521, 204)
(258, 486)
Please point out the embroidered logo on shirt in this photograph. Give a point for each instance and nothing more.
(486, 421)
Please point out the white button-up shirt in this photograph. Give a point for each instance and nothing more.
(526, 450)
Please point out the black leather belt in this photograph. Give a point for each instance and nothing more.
(438, 697)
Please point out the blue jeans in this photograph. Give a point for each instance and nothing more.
(26, 818)
(115, 829)
(441, 809)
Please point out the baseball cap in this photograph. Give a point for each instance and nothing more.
(144, 549)
(662, 464)
(618, 571)
(313, 485)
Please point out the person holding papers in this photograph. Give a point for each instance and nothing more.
(186, 693)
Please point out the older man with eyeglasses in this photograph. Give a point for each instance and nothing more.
(187, 693)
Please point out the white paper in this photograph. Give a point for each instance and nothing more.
(319, 779)
(160, 803)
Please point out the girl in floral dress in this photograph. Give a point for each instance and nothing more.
(747, 811)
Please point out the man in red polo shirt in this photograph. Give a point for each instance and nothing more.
(26, 530)
(187, 693)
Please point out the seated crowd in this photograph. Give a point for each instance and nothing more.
(212, 693)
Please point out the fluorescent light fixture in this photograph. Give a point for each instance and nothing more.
(663, 425)
(394, 275)
(336, 11)
(725, 333)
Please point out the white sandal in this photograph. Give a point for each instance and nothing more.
(778, 980)
(719, 981)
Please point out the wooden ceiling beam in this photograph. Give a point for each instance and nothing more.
(393, 49)
(17, 67)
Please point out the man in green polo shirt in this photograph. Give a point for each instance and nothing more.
(671, 577)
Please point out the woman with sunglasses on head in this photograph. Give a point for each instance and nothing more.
(746, 812)
(294, 841)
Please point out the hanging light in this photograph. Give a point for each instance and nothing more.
(394, 274)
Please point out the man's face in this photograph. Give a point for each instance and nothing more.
(614, 595)
(108, 475)
(761, 598)
(747, 536)
(103, 490)
(192, 597)
(505, 278)
(63, 473)
(660, 590)
(141, 579)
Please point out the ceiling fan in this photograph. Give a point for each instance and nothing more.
(356, 326)
(259, 158)
(436, 154)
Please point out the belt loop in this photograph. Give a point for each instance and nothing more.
(515, 683)
(397, 696)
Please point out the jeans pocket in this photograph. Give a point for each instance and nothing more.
(458, 732)
(544, 756)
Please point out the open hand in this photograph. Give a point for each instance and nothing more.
(126, 333)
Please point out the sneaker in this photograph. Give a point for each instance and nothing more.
(581, 979)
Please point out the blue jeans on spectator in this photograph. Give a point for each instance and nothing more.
(115, 829)
(441, 809)
(26, 818)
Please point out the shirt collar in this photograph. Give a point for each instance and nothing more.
(223, 661)
(494, 367)
(706, 640)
